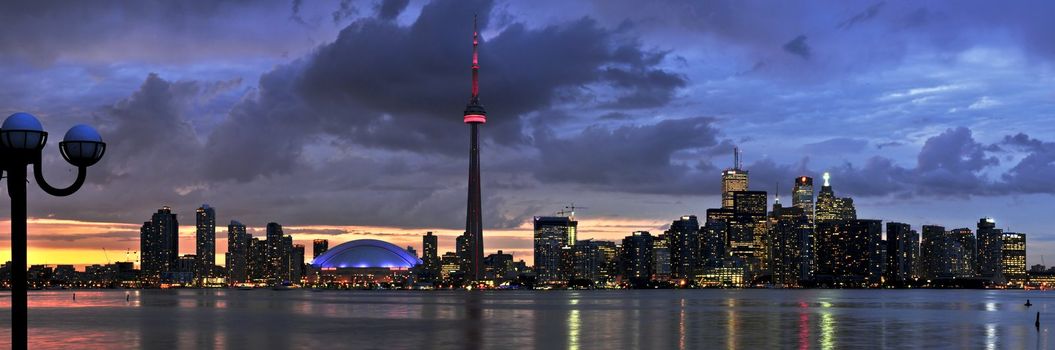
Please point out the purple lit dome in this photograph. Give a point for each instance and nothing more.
(366, 253)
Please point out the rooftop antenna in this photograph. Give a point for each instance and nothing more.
(736, 157)
(777, 200)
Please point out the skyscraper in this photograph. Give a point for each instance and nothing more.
(474, 115)
(279, 250)
(297, 263)
(902, 252)
(684, 236)
(802, 195)
(318, 247)
(1013, 256)
(159, 244)
(749, 231)
(790, 245)
(430, 256)
(943, 254)
(990, 249)
(552, 233)
(237, 252)
(829, 207)
(849, 252)
(205, 241)
(733, 179)
(967, 265)
(637, 258)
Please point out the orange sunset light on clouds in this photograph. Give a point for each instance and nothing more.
(59, 241)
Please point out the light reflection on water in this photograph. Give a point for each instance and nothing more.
(684, 319)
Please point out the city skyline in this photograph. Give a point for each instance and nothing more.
(625, 139)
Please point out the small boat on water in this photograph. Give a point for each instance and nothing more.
(284, 286)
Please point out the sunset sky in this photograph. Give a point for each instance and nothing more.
(342, 119)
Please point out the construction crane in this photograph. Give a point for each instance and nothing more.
(569, 211)
(105, 253)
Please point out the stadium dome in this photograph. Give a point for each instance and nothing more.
(366, 253)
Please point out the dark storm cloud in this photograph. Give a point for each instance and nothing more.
(390, 9)
(358, 119)
(1034, 173)
(382, 85)
(798, 47)
(633, 158)
(951, 163)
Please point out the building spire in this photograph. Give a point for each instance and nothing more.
(826, 177)
(777, 199)
(476, 61)
(736, 157)
(474, 111)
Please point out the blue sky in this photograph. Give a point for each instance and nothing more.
(348, 112)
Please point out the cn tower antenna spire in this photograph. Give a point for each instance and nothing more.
(476, 61)
(474, 111)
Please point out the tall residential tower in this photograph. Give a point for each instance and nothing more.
(205, 241)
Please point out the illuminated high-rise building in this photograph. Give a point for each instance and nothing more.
(551, 234)
(296, 265)
(733, 179)
(802, 195)
(684, 245)
(159, 244)
(942, 254)
(967, 254)
(748, 231)
(902, 252)
(430, 257)
(237, 257)
(990, 249)
(849, 252)
(661, 257)
(1013, 256)
(318, 247)
(829, 207)
(279, 253)
(637, 258)
(790, 245)
(205, 241)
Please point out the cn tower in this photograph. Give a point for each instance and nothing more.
(474, 116)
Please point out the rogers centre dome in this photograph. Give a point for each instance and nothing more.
(366, 253)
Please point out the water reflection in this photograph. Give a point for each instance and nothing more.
(804, 326)
(827, 327)
(730, 324)
(752, 319)
(574, 323)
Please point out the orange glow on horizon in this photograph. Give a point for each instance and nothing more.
(63, 241)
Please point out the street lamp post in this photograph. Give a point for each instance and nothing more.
(21, 140)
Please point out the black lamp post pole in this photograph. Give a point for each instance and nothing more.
(21, 140)
(16, 188)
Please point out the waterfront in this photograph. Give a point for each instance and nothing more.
(749, 319)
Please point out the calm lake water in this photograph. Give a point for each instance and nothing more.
(646, 319)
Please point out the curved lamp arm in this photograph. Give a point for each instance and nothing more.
(82, 172)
